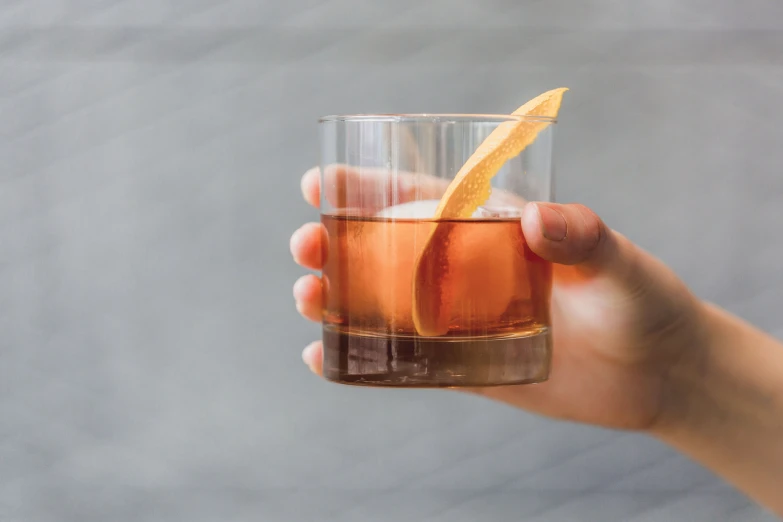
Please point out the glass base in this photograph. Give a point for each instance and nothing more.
(421, 362)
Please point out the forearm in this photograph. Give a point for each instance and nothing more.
(724, 407)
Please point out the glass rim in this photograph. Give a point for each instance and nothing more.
(433, 118)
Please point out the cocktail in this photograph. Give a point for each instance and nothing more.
(428, 280)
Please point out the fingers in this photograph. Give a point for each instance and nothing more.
(313, 357)
(308, 297)
(368, 188)
(309, 246)
(572, 235)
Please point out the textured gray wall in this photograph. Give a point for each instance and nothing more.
(150, 154)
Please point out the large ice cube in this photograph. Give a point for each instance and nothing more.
(497, 212)
(480, 277)
(423, 209)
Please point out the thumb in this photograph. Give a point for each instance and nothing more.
(573, 235)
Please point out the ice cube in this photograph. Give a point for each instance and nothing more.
(424, 209)
(498, 212)
(473, 259)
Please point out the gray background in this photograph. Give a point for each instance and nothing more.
(150, 154)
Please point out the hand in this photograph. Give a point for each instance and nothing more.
(621, 320)
(633, 348)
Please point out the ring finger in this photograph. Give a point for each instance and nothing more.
(308, 297)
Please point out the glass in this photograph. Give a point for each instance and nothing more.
(382, 177)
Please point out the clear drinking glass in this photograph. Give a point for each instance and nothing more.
(381, 180)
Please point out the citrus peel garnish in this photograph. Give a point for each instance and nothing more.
(433, 295)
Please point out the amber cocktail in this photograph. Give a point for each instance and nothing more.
(415, 300)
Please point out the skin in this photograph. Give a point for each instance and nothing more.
(634, 349)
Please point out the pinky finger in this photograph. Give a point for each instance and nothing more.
(313, 357)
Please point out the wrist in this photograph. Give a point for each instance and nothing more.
(728, 374)
(685, 390)
(723, 405)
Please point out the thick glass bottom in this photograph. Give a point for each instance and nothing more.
(421, 362)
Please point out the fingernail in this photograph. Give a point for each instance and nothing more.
(553, 224)
(308, 354)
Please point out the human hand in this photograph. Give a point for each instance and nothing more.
(621, 320)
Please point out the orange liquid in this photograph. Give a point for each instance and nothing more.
(498, 311)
